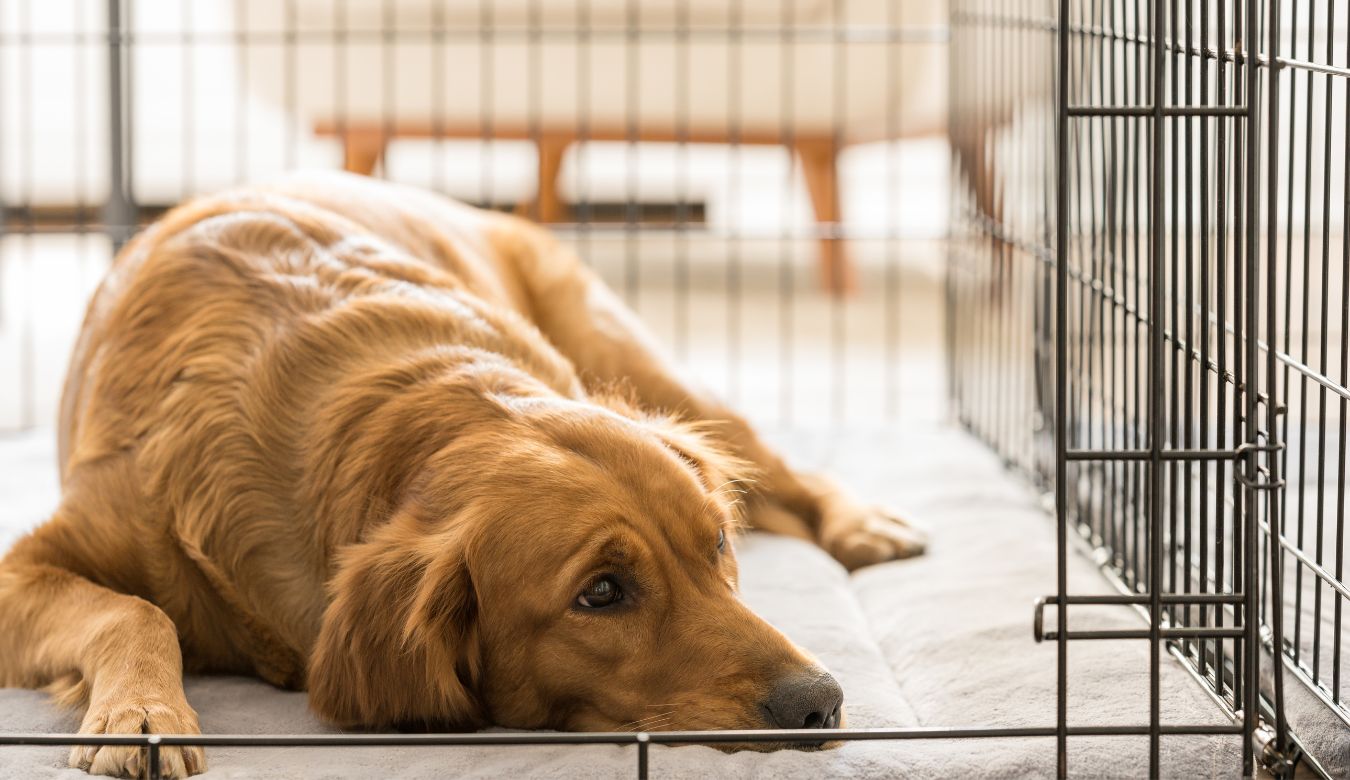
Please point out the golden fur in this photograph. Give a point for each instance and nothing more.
(355, 438)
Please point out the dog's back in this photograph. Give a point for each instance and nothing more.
(220, 371)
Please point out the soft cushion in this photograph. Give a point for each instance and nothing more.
(942, 640)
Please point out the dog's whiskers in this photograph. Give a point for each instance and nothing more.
(656, 725)
(650, 722)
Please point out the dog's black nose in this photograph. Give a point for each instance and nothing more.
(809, 700)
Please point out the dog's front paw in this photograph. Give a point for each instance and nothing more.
(861, 536)
(138, 716)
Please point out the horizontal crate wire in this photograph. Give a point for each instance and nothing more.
(1203, 315)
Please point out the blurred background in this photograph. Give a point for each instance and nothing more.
(765, 182)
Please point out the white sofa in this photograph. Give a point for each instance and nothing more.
(808, 74)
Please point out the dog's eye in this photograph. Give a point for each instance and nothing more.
(721, 540)
(602, 592)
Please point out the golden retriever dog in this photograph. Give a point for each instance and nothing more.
(413, 458)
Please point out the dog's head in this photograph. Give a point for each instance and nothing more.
(571, 567)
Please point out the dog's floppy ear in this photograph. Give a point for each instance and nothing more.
(723, 474)
(398, 645)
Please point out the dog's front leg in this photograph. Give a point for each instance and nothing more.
(118, 652)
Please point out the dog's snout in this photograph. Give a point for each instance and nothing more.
(811, 700)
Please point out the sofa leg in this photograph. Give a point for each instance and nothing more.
(547, 205)
(971, 153)
(821, 170)
(362, 150)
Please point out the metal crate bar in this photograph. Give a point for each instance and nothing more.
(1327, 577)
(1096, 455)
(642, 740)
(811, 33)
(748, 736)
(1153, 113)
(1168, 598)
(1162, 633)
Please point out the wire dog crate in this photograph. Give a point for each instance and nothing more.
(1145, 312)
(1174, 320)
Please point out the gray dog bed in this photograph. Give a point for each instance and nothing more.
(943, 640)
